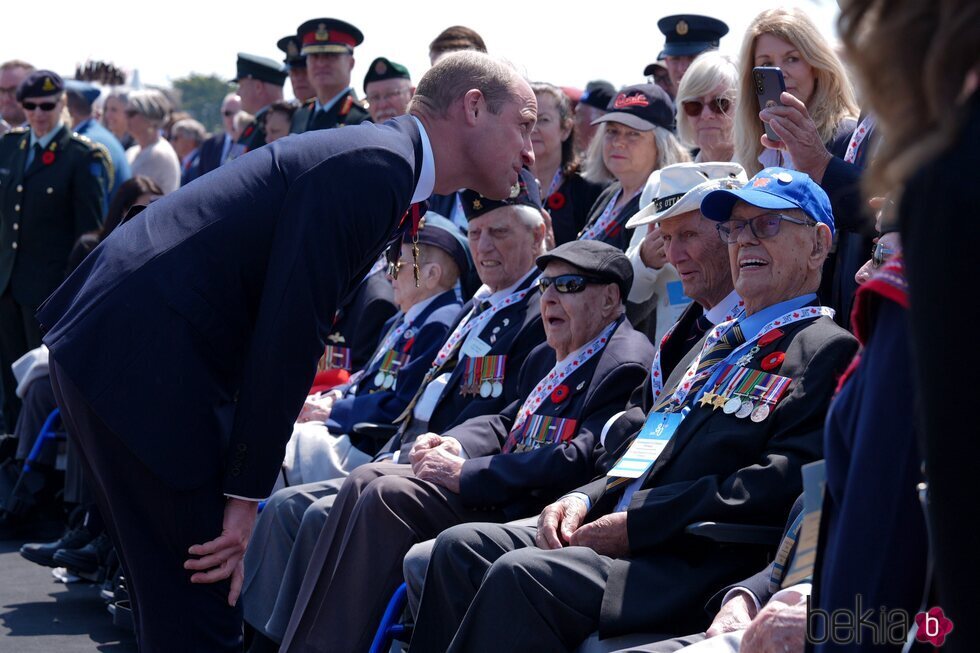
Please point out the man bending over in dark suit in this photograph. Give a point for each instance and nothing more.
(183, 348)
(727, 445)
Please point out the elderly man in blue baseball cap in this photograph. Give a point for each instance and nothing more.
(779, 228)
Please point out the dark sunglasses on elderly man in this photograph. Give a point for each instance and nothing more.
(569, 283)
(719, 105)
(43, 106)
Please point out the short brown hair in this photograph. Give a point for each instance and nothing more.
(459, 72)
(455, 38)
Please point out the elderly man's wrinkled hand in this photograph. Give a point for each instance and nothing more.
(440, 467)
(735, 615)
(423, 444)
(653, 253)
(606, 536)
(778, 628)
(792, 123)
(558, 521)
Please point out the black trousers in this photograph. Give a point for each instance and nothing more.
(19, 333)
(152, 526)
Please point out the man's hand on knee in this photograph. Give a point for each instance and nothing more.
(606, 536)
(221, 558)
(558, 521)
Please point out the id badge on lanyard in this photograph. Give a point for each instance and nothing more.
(657, 431)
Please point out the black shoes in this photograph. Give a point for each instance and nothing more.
(86, 559)
(43, 553)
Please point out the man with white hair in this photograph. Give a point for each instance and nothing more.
(220, 148)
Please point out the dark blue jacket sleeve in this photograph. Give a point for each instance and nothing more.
(384, 406)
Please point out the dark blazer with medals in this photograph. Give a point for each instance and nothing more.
(521, 482)
(616, 234)
(359, 324)
(382, 394)
(570, 206)
(717, 468)
(45, 209)
(511, 333)
(345, 111)
(217, 299)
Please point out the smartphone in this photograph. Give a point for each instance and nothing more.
(769, 83)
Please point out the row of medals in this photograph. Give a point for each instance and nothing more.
(384, 380)
(741, 407)
(491, 389)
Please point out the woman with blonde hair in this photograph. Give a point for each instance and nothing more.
(706, 107)
(819, 108)
(636, 140)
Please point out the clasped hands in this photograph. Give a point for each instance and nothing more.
(560, 524)
(435, 458)
(317, 406)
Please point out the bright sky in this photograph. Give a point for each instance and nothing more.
(567, 46)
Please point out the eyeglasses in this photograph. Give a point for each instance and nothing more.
(719, 105)
(569, 283)
(880, 253)
(43, 106)
(377, 99)
(762, 226)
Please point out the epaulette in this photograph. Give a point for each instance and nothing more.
(17, 131)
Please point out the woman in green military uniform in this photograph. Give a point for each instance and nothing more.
(51, 188)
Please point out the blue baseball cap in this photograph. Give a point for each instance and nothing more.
(772, 188)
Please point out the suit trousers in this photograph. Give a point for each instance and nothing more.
(19, 333)
(489, 588)
(282, 544)
(152, 526)
(380, 512)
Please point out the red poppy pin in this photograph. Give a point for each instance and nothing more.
(770, 337)
(773, 361)
(560, 394)
(47, 158)
(556, 200)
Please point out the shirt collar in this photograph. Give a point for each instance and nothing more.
(47, 138)
(332, 101)
(752, 324)
(427, 178)
(82, 126)
(414, 311)
(484, 291)
(716, 314)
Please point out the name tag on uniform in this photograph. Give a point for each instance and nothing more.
(648, 445)
(475, 348)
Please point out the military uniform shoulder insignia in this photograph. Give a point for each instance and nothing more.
(17, 131)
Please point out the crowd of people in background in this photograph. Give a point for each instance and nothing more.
(677, 392)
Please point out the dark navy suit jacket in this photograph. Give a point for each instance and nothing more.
(194, 330)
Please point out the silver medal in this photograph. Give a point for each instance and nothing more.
(732, 406)
(486, 389)
(379, 379)
(745, 410)
(760, 413)
(498, 388)
(389, 381)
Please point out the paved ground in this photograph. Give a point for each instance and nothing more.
(40, 615)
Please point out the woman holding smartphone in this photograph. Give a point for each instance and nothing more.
(818, 111)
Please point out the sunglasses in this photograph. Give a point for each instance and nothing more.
(719, 105)
(43, 106)
(570, 283)
(880, 253)
(762, 226)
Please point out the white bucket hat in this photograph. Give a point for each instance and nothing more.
(680, 188)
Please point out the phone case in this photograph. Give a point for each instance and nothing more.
(769, 84)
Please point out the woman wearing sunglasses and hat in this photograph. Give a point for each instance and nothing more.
(51, 192)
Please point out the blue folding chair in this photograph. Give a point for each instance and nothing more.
(391, 627)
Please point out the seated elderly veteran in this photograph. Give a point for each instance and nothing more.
(322, 445)
(538, 447)
(474, 373)
(692, 245)
(659, 298)
(727, 445)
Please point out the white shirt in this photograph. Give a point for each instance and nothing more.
(427, 178)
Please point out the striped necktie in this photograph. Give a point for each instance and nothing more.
(716, 354)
